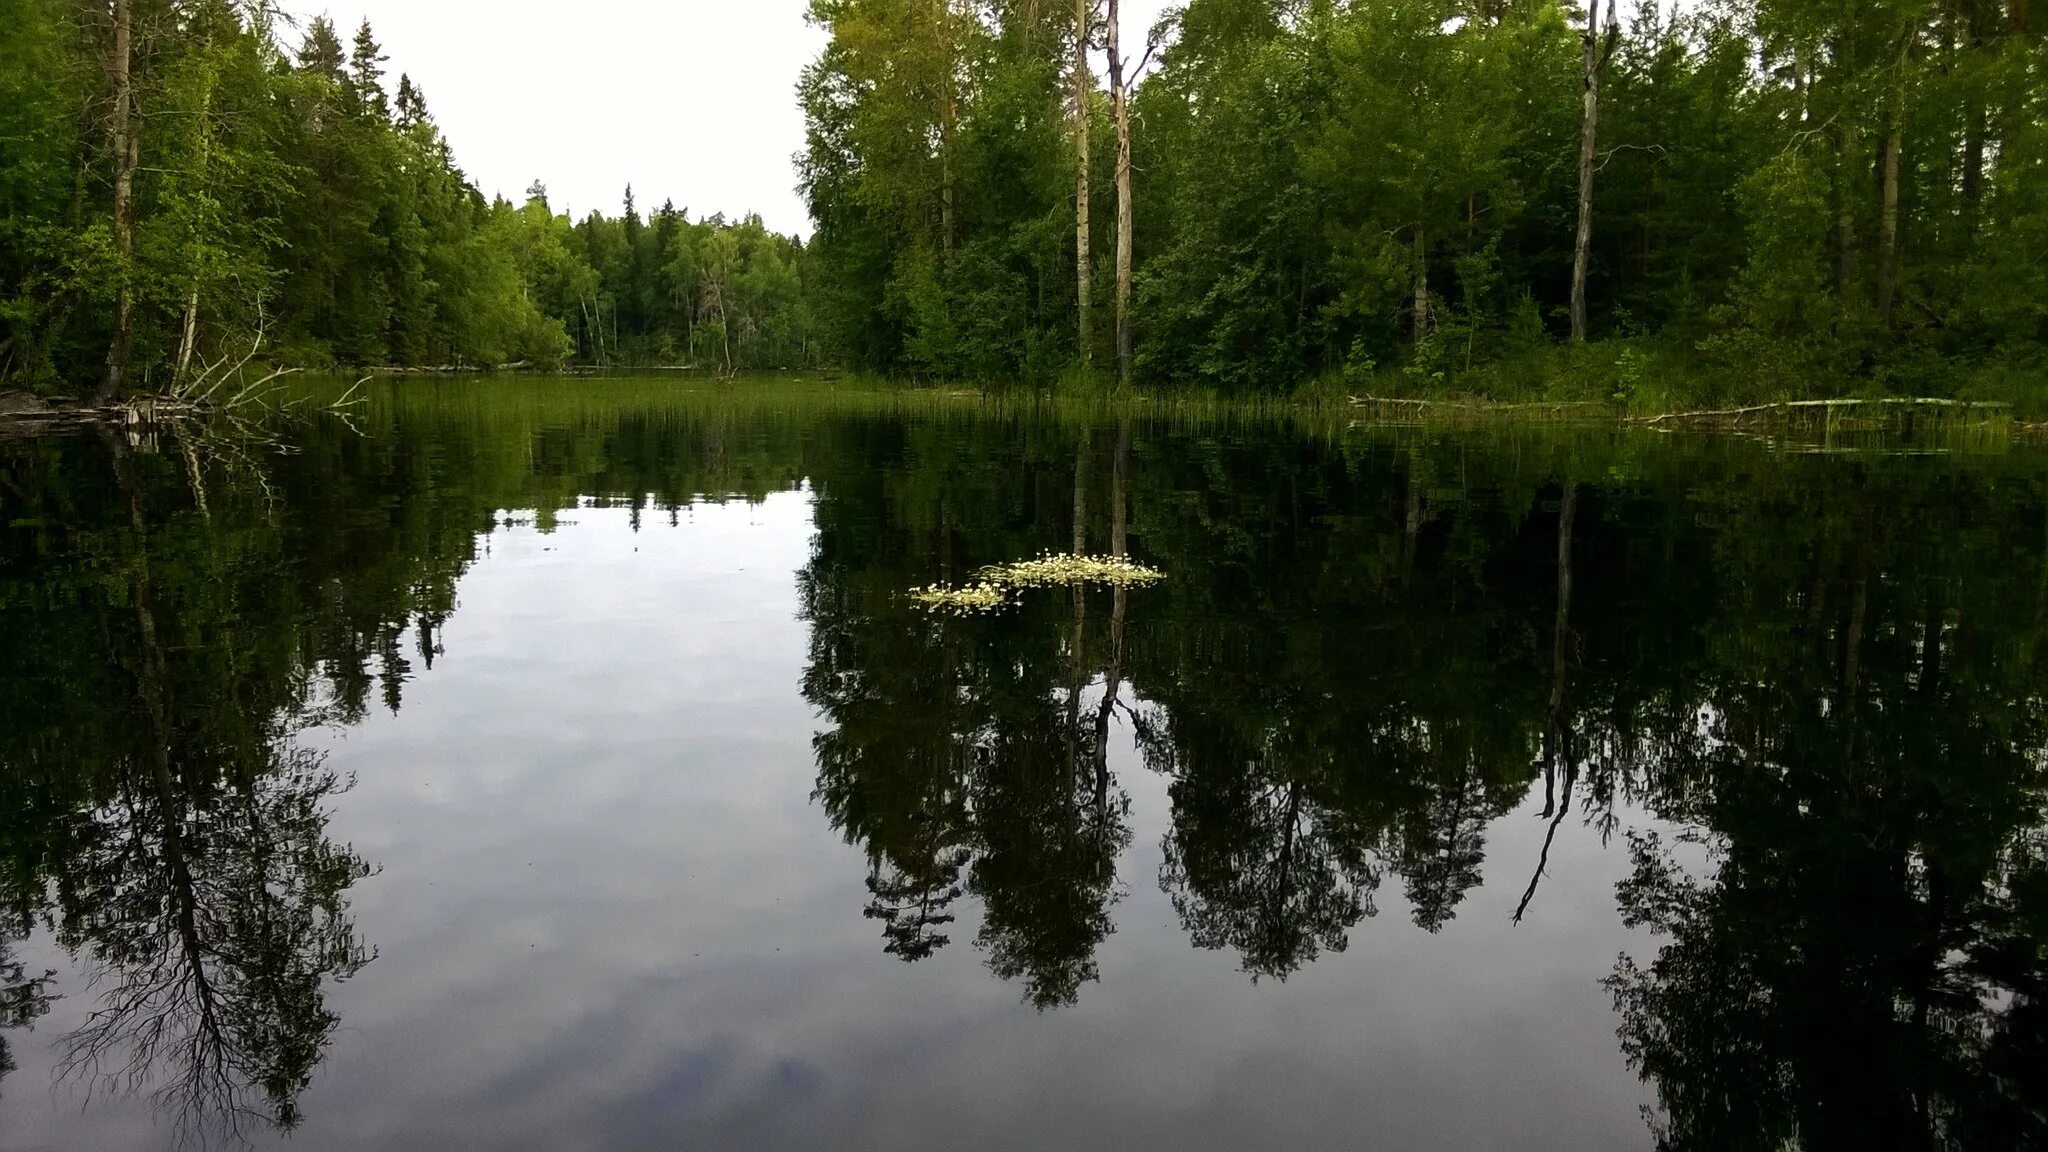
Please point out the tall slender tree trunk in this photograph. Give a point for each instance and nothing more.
(1845, 214)
(1888, 233)
(1589, 138)
(2016, 17)
(1976, 18)
(1120, 98)
(126, 152)
(189, 340)
(1421, 283)
(946, 124)
(1112, 680)
(1084, 271)
(1557, 737)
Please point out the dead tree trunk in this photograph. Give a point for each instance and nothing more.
(1845, 215)
(946, 123)
(189, 340)
(1120, 99)
(949, 120)
(126, 150)
(1084, 271)
(1888, 233)
(1421, 284)
(1589, 138)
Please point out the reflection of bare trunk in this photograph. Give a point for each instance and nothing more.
(126, 148)
(1411, 522)
(1557, 735)
(1284, 867)
(2041, 601)
(1120, 101)
(1078, 646)
(1120, 598)
(1084, 271)
(152, 684)
(1852, 664)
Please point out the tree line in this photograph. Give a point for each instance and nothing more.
(1403, 193)
(1515, 196)
(183, 185)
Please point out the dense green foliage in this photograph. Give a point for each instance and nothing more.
(1794, 195)
(285, 203)
(1788, 196)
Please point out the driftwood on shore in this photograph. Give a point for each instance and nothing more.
(1475, 405)
(1708, 415)
(22, 414)
(1830, 406)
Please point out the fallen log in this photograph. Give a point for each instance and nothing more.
(1808, 405)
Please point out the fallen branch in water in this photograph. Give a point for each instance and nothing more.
(1791, 405)
(1474, 405)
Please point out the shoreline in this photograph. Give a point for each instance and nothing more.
(24, 414)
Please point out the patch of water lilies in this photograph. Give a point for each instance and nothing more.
(994, 587)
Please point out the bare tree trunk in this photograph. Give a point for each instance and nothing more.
(1589, 138)
(1888, 235)
(1084, 271)
(190, 338)
(2016, 17)
(949, 120)
(1421, 284)
(1976, 15)
(1120, 99)
(126, 151)
(1845, 215)
(952, 112)
(189, 341)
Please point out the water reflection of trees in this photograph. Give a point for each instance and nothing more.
(977, 747)
(171, 618)
(169, 833)
(1368, 654)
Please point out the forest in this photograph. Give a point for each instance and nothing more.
(187, 183)
(1709, 199)
(1794, 196)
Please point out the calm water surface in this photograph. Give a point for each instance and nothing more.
(564, 767)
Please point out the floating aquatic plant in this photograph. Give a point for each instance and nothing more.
(982, 597)
(994, 587)
(1049, 569)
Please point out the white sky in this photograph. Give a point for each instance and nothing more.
(690, 100)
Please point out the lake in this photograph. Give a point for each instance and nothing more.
(567, 764)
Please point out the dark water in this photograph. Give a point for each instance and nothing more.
(531, 770)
